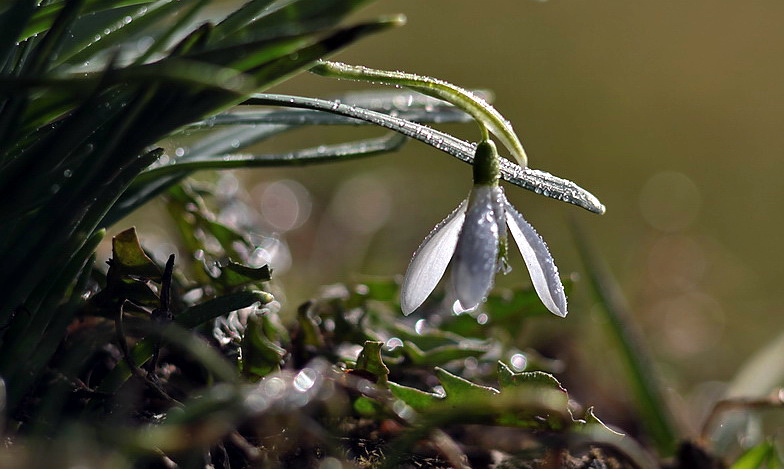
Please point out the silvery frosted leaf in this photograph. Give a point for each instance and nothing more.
(430, 260)
(477, 249)
(544, 273)
(537, 181)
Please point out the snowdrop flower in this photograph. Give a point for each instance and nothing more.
(475, 236)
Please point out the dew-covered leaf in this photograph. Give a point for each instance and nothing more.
(307, 117)
(536, 181)
(156, 180)
(45, 15)
(96, 33)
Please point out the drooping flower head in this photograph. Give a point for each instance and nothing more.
(474, 238)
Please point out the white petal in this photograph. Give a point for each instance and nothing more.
(544, 273)
(499, 208)
(477, 249)
(430, 261)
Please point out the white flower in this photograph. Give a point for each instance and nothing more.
(473, 234)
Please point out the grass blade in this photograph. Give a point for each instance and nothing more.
(12, 24)
(111, 32)
(183, 21)
(44, 16)
(648, 390)
(277, 19)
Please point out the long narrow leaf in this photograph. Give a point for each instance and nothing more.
(655, 415)
(12, 23)
(239, 18)
(161, 41)
(54, 333)
(280, 69)
(320, 154)
(173, 70)
(537, 181)
(115, 29)
(155, 181)
(45, 15)
(24, 340)
(68, 231)
(305, 117)
(47, 51)
(283, 19)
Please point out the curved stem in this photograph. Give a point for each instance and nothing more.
(488, 118)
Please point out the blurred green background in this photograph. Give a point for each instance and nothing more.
(670, 112)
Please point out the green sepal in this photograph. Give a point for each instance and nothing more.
(486, 168)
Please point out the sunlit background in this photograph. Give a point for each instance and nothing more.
(670, 112)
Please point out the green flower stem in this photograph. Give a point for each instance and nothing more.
(488, 118)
